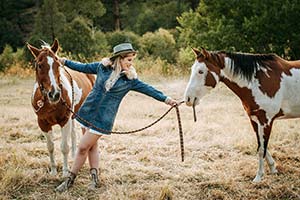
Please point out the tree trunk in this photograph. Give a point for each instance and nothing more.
(117, 15)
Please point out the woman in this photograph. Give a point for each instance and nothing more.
(115, 78)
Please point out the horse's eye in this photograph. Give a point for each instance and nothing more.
(200, 72)
(38, 66)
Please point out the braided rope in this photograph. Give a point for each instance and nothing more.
(132, 131)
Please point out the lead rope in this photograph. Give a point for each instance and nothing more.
(132, 131)
(180, 131)
(72, 86)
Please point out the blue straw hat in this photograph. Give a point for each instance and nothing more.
(122, 48)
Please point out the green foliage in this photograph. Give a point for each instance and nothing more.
(149, 66)
(215, 25)
(100, 46)
(74, 30)
(193, 26)
(118, 37)
(8, 57)
(88, 9)
(149, 16)
(19, 55)
(16, 21)
(274, 27)
(78, 38)
(185, 58)
(83, 42)
(8, 34)
(249, 26)
(49, 22)
(142, 16)
(158, 44)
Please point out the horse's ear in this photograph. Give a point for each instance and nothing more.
(34, 51)
(205, 53)
(55, 46)
(196, 52)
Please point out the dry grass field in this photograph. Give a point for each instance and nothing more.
(220, 151)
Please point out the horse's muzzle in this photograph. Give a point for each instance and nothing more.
(54, 96)
(194, 102)
(191, 101)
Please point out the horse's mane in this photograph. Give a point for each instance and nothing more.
(45, 45)
(246, 65)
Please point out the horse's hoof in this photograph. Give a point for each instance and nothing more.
(257, 179)
(65, 173)
(93, 186)
(274, 171)
(53, 172)
(67, 183)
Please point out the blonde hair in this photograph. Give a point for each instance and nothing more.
(114, 76)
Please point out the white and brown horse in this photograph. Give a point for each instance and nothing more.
(267, 85)
(53, 86)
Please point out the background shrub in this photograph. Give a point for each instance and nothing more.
(118, 37)
(185, 59)
(158, 44)
(6, 58)
(78, 38)
(154, 67)
(100, 46)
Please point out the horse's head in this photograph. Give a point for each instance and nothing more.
(47, 70)
(204, 76)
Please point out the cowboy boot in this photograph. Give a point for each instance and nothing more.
(68, 182)
(95, 180)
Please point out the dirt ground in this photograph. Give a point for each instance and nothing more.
(220, 151)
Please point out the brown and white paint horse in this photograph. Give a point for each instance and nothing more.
(267, 85)
(52, 86)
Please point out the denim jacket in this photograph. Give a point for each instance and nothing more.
(101, 106)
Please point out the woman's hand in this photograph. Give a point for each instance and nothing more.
(62, 60)
(106, 62)
(171, 101)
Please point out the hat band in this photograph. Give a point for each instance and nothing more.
(131, 50)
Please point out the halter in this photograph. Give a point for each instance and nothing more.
(44, 92)
(40, 103)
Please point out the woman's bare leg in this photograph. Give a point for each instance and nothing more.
(94, 156)
(93, 153)
(87, 143)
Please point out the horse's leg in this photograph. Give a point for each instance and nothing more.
(260, 138)
(263, 134)
(73, 139)
(65, 134)
(271, 163)
(50, 146)
(259, 130)
(269, 158)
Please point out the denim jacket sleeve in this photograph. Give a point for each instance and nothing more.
(89, 68)
(140, 86)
